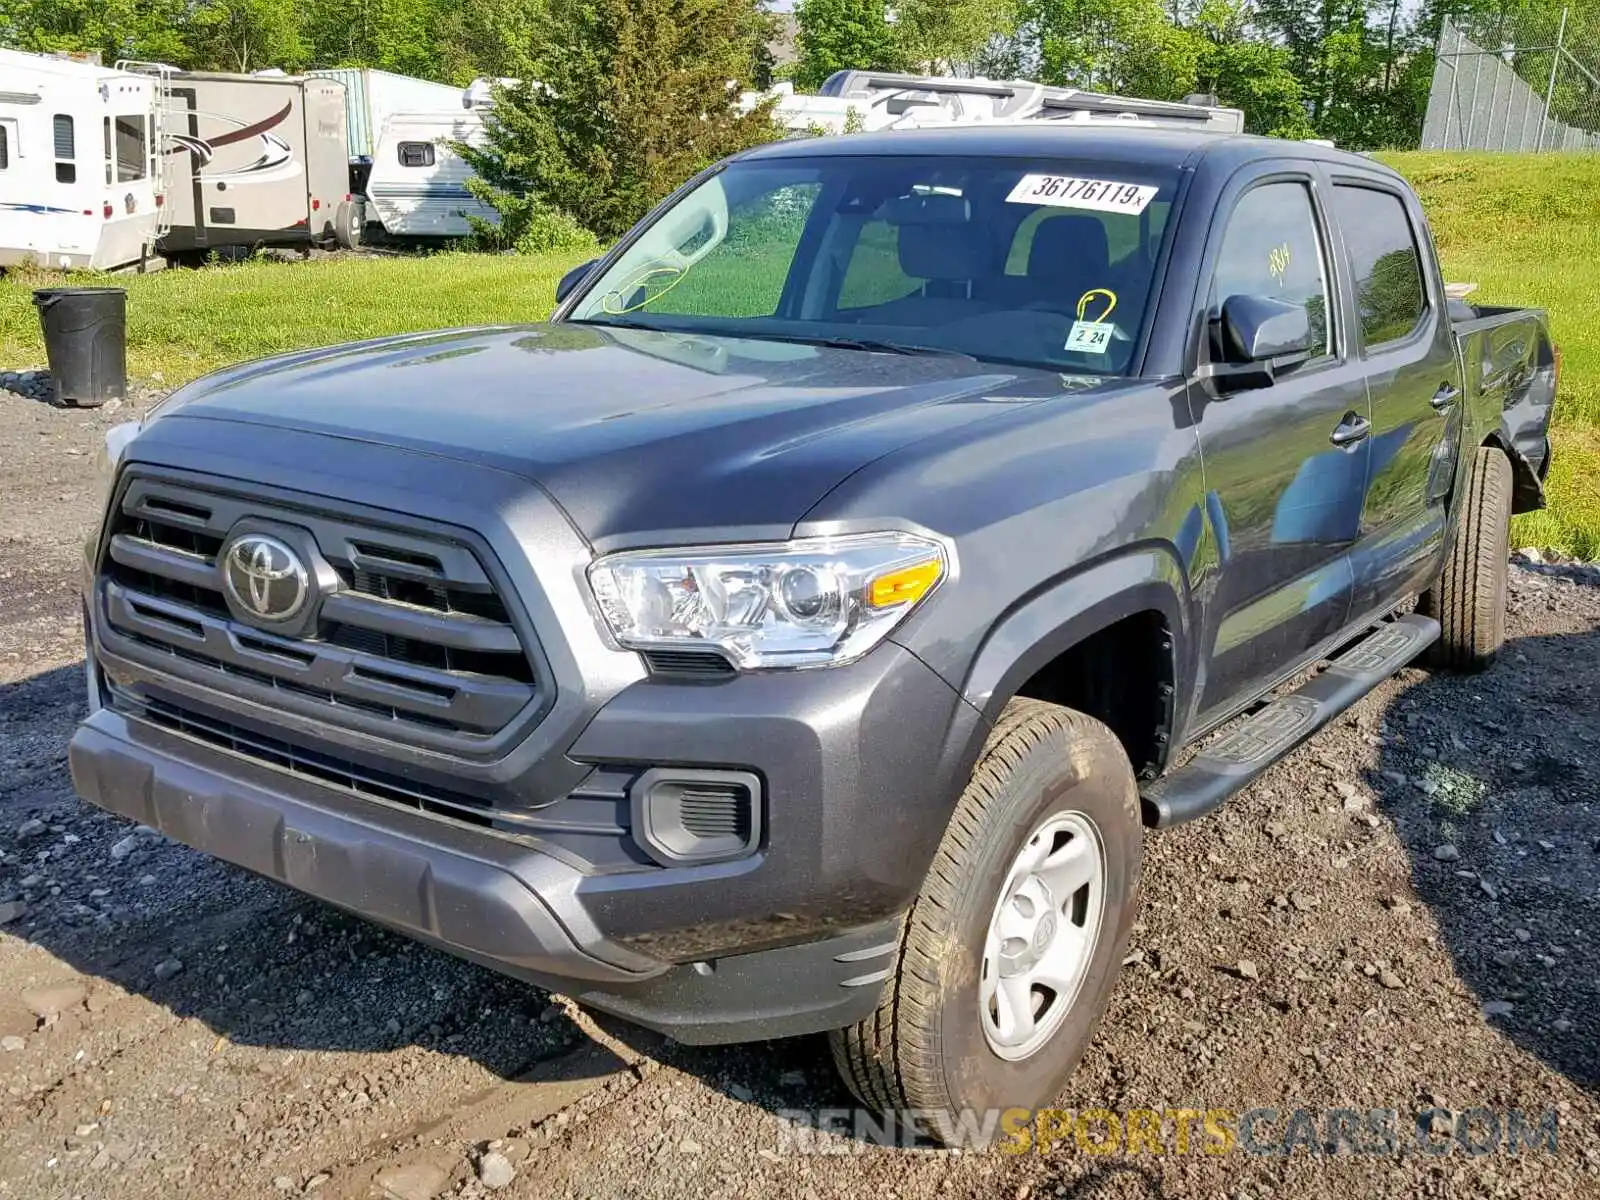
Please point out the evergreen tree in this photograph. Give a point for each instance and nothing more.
(838, 35)
(632, 97)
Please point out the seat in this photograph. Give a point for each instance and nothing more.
(1069, 256)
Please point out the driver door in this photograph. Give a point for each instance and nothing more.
(1285, 464)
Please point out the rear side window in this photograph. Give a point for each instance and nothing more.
(1272, 248)
(131, 155)
(1384, 260)
(66, 148)
(416, 154)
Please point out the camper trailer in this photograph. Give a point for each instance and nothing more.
(418, 185)
(79, 173)
(875, 100)
(371, 97)
(255, 160)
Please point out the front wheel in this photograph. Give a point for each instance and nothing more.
(1010, 952)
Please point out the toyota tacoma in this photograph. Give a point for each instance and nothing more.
(802, 630)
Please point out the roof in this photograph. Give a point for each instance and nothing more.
(66, 68)
(1159, 146)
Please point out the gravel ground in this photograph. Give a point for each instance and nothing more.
(1400, 916)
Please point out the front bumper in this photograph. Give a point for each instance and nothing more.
(793, 939)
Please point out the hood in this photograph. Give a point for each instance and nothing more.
(635, 434)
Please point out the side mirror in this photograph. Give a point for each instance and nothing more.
(572, 279)
(1259, 337)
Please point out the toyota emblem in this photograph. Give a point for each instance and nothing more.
(265, 577)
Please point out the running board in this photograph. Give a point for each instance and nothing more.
(1259, 740)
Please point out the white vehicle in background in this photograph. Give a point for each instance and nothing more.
(418, 184)
(371, 97)
(869, 101)
(80, 183)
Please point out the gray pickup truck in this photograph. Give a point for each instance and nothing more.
(805, 628)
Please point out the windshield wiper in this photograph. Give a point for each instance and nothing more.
(869, 344)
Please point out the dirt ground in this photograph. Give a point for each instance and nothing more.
(172, 1026)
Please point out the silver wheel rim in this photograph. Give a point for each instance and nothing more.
(1042, 935)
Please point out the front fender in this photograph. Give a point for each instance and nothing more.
(1146, 578)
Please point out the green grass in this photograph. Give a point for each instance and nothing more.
(1526, 228)
(183, 323)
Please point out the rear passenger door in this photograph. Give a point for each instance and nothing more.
(1285, 465)
(1403, 334)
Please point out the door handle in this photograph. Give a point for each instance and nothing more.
(1445, 397)
(1349, 431)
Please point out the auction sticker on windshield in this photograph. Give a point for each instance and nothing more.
(1072, 191)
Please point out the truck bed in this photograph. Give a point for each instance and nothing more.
(1509, 369)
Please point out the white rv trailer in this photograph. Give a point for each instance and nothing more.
(418, 184)
(252, 160)
(875, 100)
(371, 97)
(79, 169)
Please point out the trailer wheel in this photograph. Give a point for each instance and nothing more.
(347, 221)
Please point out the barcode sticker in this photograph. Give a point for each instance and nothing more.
(1073, 191)
(1090, 337)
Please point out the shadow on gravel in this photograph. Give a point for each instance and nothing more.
(1492, 782)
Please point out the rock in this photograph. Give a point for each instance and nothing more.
(495, 1171)
(1390, 980)
(12, 910)
(551, 1014)
(1276, 829)
(47, 1003)
(1247, 970)
(317, 1181)
(741, 1093)
(30, 829)
(1398, 905)
(1562, 1025)
(1521, 935)
(1446, 853)
(792, 1079)
(283, 1183)
(125, 847)
(1498, 1008)
(421, 1180)
(689, 1146)
(1505, 958)
(11, 1043)
(1489, 889)
(1371, 820)
(1530, 554)
(111, 406)
(1302, 901)
(167, 968)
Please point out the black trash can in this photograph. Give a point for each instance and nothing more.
(86, 341)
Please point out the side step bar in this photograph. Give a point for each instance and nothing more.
(1259, 740)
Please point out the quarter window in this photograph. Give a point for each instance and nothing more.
(1272, 248)
(1384, 260)
(66, 149)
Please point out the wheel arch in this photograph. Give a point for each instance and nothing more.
(1137, 593)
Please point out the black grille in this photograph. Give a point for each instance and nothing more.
(414, 642)
(689, 664)
(715, 811)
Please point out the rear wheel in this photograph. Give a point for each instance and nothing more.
(1469, 600)
(1010, 952)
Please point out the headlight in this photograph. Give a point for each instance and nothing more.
(808, 603)
(108, 457)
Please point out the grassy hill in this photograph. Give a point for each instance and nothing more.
(1526, 228)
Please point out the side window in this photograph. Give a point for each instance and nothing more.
(1271, 248)
(110, 155)
(5, 149)
(66, 148)
(416, 154)
(1384, 260)
(874, 274)
(131, 156)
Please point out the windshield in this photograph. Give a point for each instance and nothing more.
(1043, 262)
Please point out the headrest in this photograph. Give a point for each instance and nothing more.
(937, 239)
(1075, 244)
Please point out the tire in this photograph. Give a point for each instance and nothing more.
(1469, 599)
(347, 225)
(927, 1046)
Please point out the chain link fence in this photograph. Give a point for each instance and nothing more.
(1529, 85)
